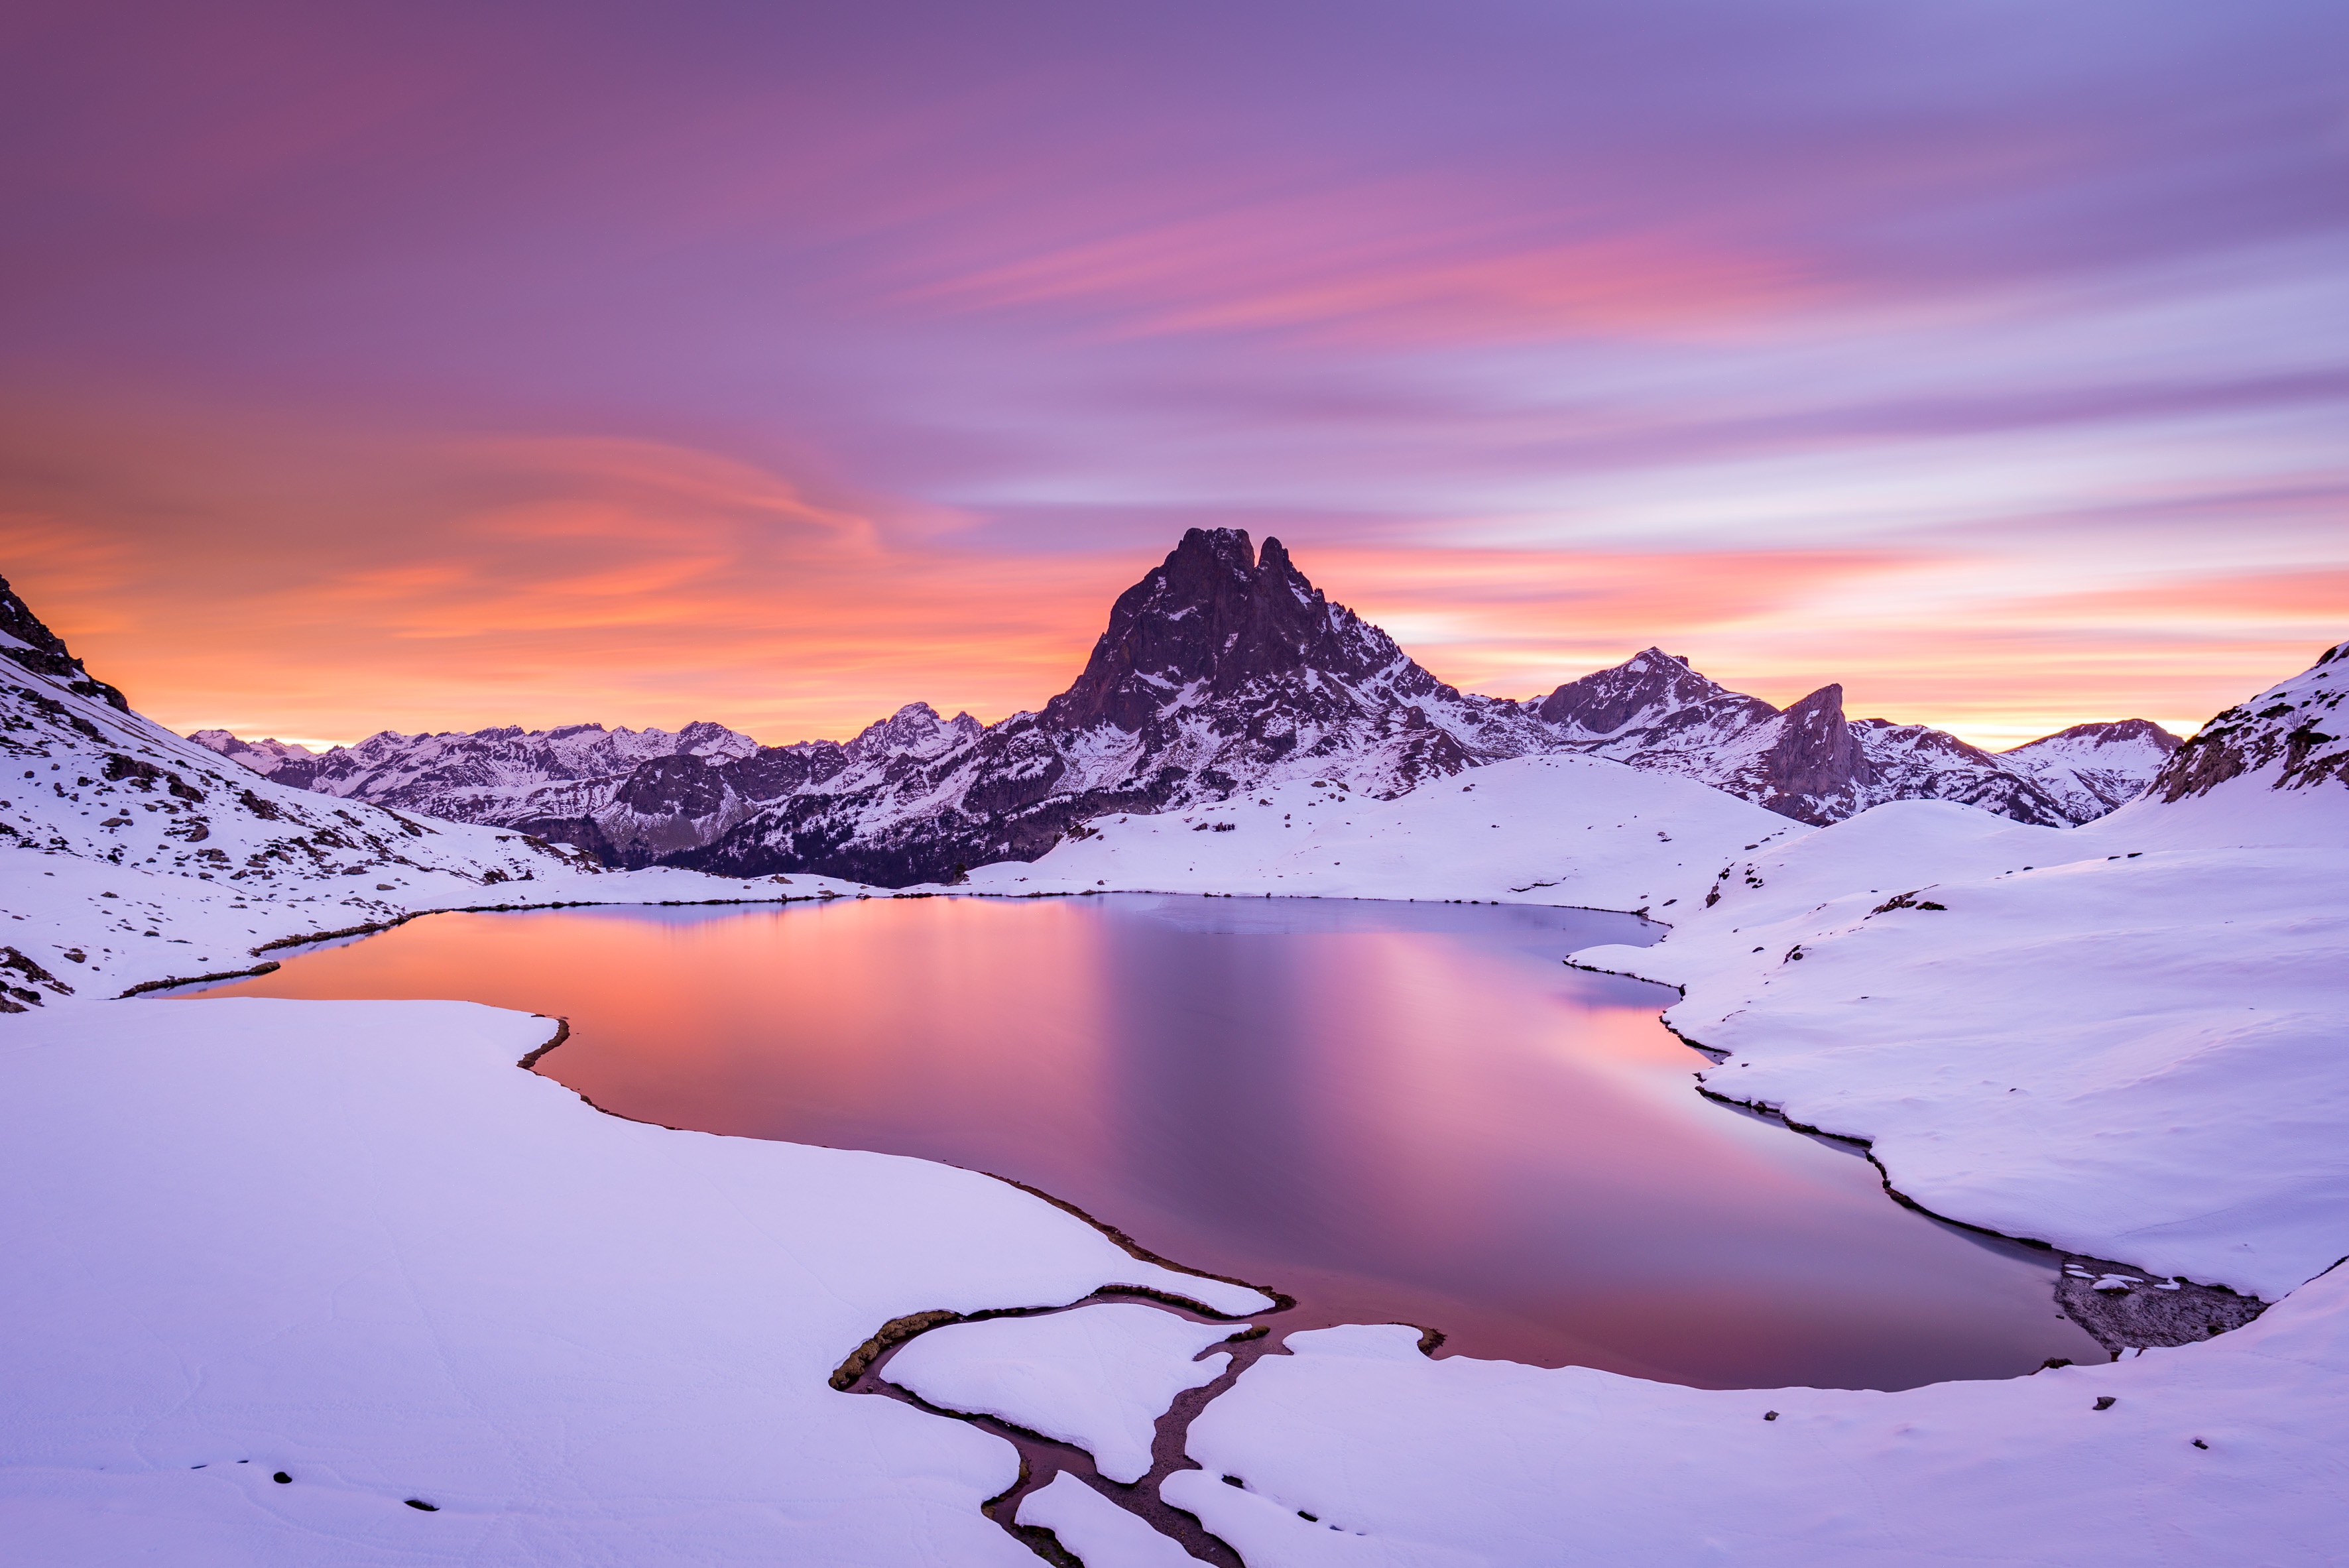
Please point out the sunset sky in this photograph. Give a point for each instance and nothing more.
(433, 367)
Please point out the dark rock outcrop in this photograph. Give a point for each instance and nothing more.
(1222, 669)
(25, 640)
(2296, 728)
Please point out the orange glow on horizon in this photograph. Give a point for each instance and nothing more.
(555, 582)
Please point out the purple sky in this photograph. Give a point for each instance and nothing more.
(436, 367)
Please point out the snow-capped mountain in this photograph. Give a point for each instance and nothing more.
(264, 757)
(2092, 768)
(1223, 671)
(1809, 761)
(572, 784)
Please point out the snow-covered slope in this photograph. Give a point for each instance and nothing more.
(1223, 674)
(2123, 1038)
(1558, 829)
(2292, 736)
(1356, 1450)
(1100, 1533)
(134, 856)
(347, 1244)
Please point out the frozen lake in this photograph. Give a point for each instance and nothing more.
(1392, 1111)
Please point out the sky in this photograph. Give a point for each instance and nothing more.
(434, 367)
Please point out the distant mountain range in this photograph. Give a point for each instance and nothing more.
(1223, 671)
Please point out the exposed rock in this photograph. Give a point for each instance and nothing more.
(32, 645)
(1809, 762)
(2296, 728)
(2124, 1308)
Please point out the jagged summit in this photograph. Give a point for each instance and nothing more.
(1809, 761)
(264, 757)
(913, 730)
(25, 640)
(1652, 692)
(1217, 615)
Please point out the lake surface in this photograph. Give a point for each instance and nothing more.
(1395, 1112)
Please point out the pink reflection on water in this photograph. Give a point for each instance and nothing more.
(1395, 1112)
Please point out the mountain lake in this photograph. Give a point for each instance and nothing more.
(1392, 1111)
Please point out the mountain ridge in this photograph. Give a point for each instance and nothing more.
(1222, 670)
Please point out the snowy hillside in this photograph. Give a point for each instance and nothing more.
(277, 1268)
(2123, 1038)
(32, 647)
(135, 856)
(1357, 1450)
(2278, 737)
(1538, 829)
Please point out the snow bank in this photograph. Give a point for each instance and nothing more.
(1573, 831)
(349, 1242)
(1098, 1531)
(1404, 1461)
(2123, 1038)
(1099, 1377)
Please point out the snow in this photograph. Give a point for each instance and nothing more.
(349, 1242)
(1556, 830)
(1100, 1533)
(1410, 1461)
(2123, 1038)
(134, 856)
(1099, 1377)
(2092, 768)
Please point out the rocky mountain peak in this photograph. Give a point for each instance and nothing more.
(25, 639)
(264, 757)
(1817, 765)
(2128, 732)
(1645, 687)
(2094, 767)
(1220, 614)
(914, 729)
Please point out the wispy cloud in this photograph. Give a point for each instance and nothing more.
(451, 366)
